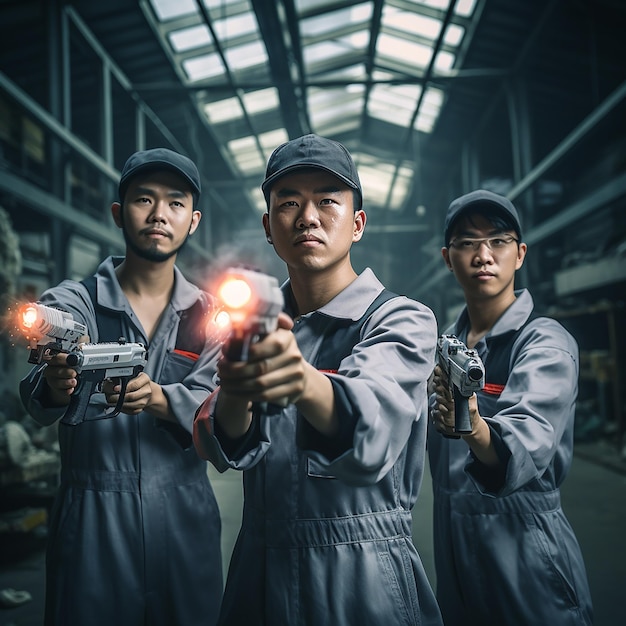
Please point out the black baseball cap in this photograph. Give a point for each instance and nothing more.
(311, 151)
(161, 158)
(484, 198)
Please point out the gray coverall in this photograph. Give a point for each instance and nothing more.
(326, 532)
(505, 554)
(134, 535)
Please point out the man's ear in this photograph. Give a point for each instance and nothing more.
(266, 226)
(521, 255)
(445, 253)
(116, 212)
(196, 216)
(360, 219)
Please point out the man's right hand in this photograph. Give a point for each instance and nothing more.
(61, 379)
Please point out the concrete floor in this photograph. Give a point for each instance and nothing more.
(594, 499)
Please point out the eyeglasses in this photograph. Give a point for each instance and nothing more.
(493, 243)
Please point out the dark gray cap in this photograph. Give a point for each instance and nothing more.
(160, 158)
(480, 197)
(311, 151)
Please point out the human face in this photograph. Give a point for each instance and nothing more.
(311, 220)
(157, 216)
(486, 271)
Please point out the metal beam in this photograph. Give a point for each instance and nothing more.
(280, 53)
(49, 205)
(609, 192)
(571, 140)
(436, 77)
(56, 127)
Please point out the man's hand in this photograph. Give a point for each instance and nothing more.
(479, 440)
(443, 414)
(275, 369)
(61, 379)
(138, 396)
(275, 372)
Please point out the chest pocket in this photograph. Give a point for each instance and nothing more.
(498, 361)
(190, 341)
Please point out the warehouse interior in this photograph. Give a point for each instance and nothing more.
(433, 98)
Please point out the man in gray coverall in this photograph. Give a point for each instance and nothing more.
(331, 478)
(505, 553)
(134, 536)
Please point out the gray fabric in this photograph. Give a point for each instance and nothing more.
(504, 550)
(134, 536)
(328, 541)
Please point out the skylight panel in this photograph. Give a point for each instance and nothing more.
(223, 110)
(170, 9)
(376, 177)
(400, 190)
(379, 177)
(409, 22)
(328, 98)
(236, 26)
(339, 125)
(351, 72)
(248, 55)
(246, 154)
(190, 38)
(436, 4)
(454, 35)
(429, 110)
(394, 104)
(321, 52)
(465, 8)
(327, 22)
(272, 139)
(444, 60)
(204, 66)
(216, 4)
(380, 75)
(330, 49)
(328, 105)
(261, 100)
(407, 52)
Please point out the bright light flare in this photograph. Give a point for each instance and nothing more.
(28, 316)
(222, 320)
(235, 293)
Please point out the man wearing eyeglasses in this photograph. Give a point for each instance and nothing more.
(504, 551)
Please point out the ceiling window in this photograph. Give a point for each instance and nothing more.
(350, 74)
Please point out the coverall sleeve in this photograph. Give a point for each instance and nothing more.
(534, 415)
(380, 391)
(224, 453)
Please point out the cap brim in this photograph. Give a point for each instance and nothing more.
(145, 167)
(291, 168)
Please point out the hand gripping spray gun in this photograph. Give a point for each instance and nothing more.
(52, 331)
(466, 374)
(252, 301)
